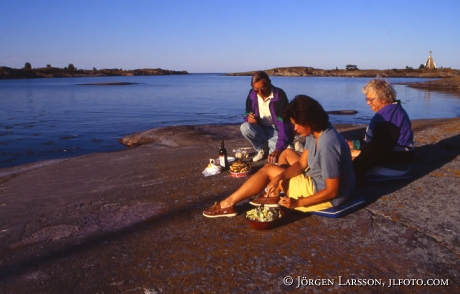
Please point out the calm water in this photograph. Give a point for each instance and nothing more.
(44, 119)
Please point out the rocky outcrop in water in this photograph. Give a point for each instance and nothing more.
(446, 84)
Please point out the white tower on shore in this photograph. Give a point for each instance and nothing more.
(430, 62)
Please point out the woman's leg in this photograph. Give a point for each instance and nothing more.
(288, 157)
(254, 185)
(378, 150)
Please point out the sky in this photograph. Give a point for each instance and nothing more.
(218, 36)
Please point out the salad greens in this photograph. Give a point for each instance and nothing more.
(263, 214)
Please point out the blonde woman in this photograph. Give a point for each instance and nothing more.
(388, 146)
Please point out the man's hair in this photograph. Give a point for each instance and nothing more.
(384, 91)
(260, 75)
(306, 111)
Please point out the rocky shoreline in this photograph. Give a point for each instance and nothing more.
(55, 72)
(446, 84)
(449, 79)
(299, 71)
(130, 221)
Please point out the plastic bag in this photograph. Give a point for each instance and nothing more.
(211, 169)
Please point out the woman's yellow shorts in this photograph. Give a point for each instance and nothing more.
(302, 186)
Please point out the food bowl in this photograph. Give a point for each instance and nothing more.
(239, 175)
(265, 225)
(240, 169)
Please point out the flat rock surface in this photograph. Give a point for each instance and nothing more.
(452, 83)
(131, 222)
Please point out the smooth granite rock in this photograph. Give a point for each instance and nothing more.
(131, 222)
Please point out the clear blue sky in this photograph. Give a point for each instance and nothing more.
(229, 36)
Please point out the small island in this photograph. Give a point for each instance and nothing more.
(354, 72)
(448, 79)
(71, 71)
(109, 84)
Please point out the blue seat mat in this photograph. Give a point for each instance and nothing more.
(381, 179)
(341, 210)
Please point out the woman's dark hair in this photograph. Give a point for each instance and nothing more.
(306, 111)
(260, 75)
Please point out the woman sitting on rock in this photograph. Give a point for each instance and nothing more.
(388, 146)
(321, 178)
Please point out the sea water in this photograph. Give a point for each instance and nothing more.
(43, 119)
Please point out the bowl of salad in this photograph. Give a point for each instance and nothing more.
(264, 218)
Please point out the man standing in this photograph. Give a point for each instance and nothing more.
(263, 123)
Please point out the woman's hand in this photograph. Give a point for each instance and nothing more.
(273, 186)
(287, 202)
(273, 157)
(350, 144)
(355, 153)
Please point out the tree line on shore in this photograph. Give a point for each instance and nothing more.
(28, 72)
(350, 70)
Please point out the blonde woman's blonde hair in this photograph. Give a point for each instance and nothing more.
(384, 91)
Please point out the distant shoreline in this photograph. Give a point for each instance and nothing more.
(55, 72)
(449, 79)
(394, 73)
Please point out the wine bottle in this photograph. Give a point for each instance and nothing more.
(223, 156)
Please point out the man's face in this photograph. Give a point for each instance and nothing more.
(262, 88)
